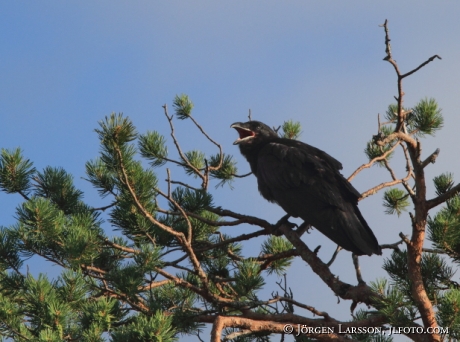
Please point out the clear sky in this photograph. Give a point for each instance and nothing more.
(64, 65)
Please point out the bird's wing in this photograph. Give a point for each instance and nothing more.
(293, 165)
(306, 183)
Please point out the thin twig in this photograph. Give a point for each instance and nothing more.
(169, 182)
(431, 59)
(444, 197)
(431, 158)
(405, 239)
(376, 159)
(242, 176)
(303, 306)
(183, 184)
(180, 236)
(357, 268)
(106, 207)
(179, 150)
(394, 246)
(337, 250)
(381, 186)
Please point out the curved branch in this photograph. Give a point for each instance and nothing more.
(373, 161)
(179, 150)
(443, 198)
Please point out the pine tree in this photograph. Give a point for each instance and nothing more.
(172, 271)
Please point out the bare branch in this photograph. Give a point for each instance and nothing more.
(381, 186)
(359, 294)
(153, 285)
(304, 306)
(394, 246)
(405, 239)
(337, 250)
(431, 158)
(443, 198)
(248, 219)
(212, 141)
(242, 176)
(179, 150)
(435, 251)
(120, 247)
(431, 59)
(106, 207)
(180, 236)
(183, 184)
(397, 135)
(357, 268)
(373, 161)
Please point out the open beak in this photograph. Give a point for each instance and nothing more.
(245, 134)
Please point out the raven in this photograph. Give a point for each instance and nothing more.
(306, 183)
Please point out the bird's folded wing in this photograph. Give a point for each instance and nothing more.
(302, 170)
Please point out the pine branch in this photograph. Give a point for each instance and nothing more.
(179, 150)
(373, 161)
(443, 198)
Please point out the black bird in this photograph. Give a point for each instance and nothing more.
(306, 183)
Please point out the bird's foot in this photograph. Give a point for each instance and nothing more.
(316, 250)
(283, 222)
(304, 227)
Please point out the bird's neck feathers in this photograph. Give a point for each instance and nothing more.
(251, 151)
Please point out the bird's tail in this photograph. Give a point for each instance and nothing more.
(360, 236)
(349, 229)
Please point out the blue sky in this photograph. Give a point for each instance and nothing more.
(65, 65)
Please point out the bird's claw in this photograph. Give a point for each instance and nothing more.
(282, 222)
(304, 227)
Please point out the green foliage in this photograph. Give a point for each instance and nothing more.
(444, 229)
(196, 158)
(424, 119)
(234, 335)
(148, 284)
(395, 201)
(276, 245)
(116, 130)
(15, 171)
(226, 172)
(391, 113)
(101, 312)
(157, 328)
(436, 274)
(427, 118)
(373, 150)
(101, 178)
(152, 146)
(9, 256)
(291, 130)
(215, 260)
(182, 106)
(448, 315)
(392, 303)
(443, 183)
(191, 200)
(371, 337)
(41, 221)
(49, 308)
(57, 185)
(126, 278)
(396, 300)
(248, 278)
(115, 133)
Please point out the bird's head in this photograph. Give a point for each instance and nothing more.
(253, 132)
